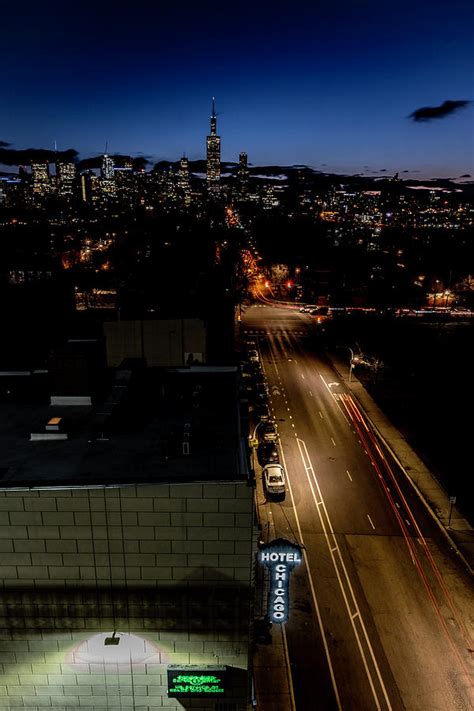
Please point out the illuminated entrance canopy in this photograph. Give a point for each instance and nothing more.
(280, 556)
(196, 680)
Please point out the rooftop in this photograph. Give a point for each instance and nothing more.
(151, 426)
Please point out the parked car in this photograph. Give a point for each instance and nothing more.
(262, 412)
(258, 377)
(253, 356)
(261, 392)
(267, 453)
(267, 432)
(274, 480)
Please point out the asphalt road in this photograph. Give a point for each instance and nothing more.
(376, 620)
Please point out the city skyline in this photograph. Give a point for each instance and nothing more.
(336, 89)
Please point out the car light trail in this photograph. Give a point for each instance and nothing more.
(369, 442)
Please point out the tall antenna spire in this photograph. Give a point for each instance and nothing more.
(106, 146)
(213, 118)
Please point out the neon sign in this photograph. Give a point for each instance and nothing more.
(280, 557)
(196, 680)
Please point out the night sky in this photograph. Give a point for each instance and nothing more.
(295, 82)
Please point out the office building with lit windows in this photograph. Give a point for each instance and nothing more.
(242, 176)
(65, 178)
(107, 169)
(183, 182)
(213, 143)
(40, 179)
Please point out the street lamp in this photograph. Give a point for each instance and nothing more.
(256, 428)
(351, 364)
(354, 360)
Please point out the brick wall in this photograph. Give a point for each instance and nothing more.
(166, 566)
(140, 536)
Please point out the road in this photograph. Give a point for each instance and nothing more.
(377, 613)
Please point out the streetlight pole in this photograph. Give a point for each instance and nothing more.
(351, 364)
(435, 294)
(256, 428)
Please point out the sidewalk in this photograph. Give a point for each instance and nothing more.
(272, 680)
(459, 533)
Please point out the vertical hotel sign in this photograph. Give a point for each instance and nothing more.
(280, 557)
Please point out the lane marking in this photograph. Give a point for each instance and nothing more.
(371, 522)
(327, 526)
(347, 472)
(288, 668)
(332, 440)
(313, 591)
(302, 375)
(321, 415)
(310, 393)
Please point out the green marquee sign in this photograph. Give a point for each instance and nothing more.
(194, 680)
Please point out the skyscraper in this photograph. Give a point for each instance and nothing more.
(213, 155)
(183, 181)
(107, 174)
(107, 170)
(41, 182)
(242, 176)
(65, 177)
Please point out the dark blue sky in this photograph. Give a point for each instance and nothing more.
(295, 82)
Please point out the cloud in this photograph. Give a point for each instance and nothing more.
(427, 113)
(4, 144)
(10, 156)
(119, 159)
(466, 175)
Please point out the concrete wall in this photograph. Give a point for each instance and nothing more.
(166, 566)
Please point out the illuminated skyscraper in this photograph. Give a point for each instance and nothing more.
(41, 182)
(242, 176)
(183, 180)
(65, 177)
(213, 155)
(107, 174)
(107, 170)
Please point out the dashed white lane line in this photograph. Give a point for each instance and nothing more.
(347, 472)
(303, 376)
(332, 440)
(310, 393)
(321, 414)
(371, 522)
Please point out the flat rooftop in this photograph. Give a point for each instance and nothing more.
(150, 426)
